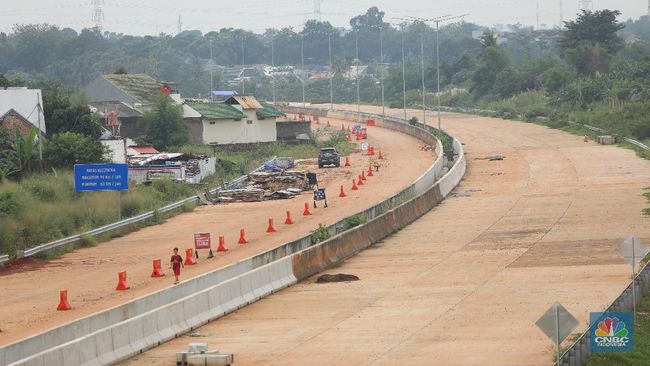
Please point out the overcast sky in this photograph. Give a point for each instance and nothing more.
(140, 17)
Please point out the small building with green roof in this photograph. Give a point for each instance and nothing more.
(240, 119)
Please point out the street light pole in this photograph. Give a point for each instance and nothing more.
(424, 111)
(329, 45)
(302, 65)
(381, 70)
(438, 68)
(356, 70)
(273, 67)
(403, 76)
(243, 81)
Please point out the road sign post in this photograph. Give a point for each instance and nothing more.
(633, 250)
(557, 323)
(102, 177)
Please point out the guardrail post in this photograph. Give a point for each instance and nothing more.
(20, 254)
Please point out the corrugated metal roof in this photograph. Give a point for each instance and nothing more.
(245, 101)
(24, 102)
(268, 111)
(142, 87)
(147, 149)
(123, 110)
(217, 110)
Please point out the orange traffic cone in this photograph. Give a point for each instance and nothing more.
(342, 193)
(157, 268)
(121, 282)
(242, 237)
(370, 171)
(363, 175)
(306, 211)
(354, 185)
(222, 244)
(270, 229)
(347, 161)
(288, 220)
(371, 151)
(63, 301)
(360, 181)
(189, 257)
(380, 157)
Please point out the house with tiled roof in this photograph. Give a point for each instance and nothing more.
(19, 110)
(240, 119)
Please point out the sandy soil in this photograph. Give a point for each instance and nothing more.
(465, 284)
(90, 275)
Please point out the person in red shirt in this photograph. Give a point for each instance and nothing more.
(176, 264)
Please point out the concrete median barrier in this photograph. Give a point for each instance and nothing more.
(110, 336)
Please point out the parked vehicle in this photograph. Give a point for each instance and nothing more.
(329, 156)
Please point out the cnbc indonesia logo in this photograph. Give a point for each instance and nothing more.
(611, 333)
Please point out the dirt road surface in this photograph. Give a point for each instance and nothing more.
(31, 291)
(464, 284)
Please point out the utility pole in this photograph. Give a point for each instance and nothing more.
(179, 25)
(40, 134)
(273, 66)
(243, 80)
(356, 70)
(329, 46)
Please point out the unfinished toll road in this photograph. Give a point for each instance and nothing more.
(465, 283)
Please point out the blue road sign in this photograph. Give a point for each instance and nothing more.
(101, 177)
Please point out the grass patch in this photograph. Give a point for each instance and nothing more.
(43, 208)
(641, 354)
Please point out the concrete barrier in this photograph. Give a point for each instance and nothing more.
(132, 336)
(157, 317)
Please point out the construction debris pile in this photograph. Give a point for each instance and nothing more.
(267, 184)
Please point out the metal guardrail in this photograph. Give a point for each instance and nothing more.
(119, 224)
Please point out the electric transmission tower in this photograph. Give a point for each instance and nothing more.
(98, 13)
(317, 14)
(587, 5)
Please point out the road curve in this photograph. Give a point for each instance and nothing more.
(465, 283)
(90, 274)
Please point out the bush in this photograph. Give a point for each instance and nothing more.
(354, 221)
(10, 203)
(69, 148)
(320, 234)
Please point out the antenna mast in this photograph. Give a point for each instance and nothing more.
(98, 13)
(180, 23)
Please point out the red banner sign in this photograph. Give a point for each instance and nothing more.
(202, 240)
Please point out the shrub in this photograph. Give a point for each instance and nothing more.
(354, 221)
(320, 234)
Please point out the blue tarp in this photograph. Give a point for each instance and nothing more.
(223, 93)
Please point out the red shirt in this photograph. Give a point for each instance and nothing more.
(176, 260)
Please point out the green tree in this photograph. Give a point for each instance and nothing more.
(69, 148)
(493, 61)
(598, 28)
(164, 124)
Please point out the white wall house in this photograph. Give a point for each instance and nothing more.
(238, 120)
